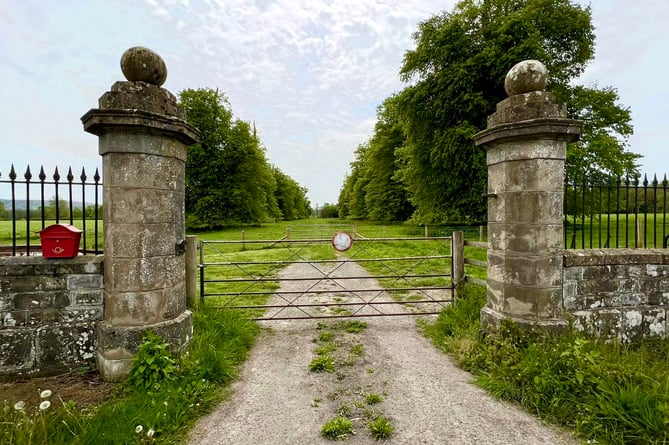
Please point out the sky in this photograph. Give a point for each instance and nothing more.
(309, 73)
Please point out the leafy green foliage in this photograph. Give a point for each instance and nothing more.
(373, 190)
(606, 127)
(329, 211)
(608, 392)
(228, 178)
(153, 364)
(422, 162)
(337, 428)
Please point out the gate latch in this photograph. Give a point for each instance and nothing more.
(180, 247)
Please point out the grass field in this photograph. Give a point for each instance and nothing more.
(617, 230)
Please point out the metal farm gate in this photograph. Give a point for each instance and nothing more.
(341, 275)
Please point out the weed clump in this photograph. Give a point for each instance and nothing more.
(380, 428)
(337, 428)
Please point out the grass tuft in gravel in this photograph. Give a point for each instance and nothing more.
(322, 363)
(380, 428)
(337, 428)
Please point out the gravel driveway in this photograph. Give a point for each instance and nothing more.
(428, 399)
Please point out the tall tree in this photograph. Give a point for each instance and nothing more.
(386, 198)
(228, 179)
(353, 192)
(456, 76)
(290, 197)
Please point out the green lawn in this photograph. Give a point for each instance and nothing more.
(616, 230)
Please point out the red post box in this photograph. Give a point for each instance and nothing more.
(60, 241)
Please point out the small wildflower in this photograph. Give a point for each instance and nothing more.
(44, 405)
(165, 402)
(20, 406)
(46, 393)
(150, 433)
(138, 429)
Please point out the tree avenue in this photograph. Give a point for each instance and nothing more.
(455, 78)
(228, 178)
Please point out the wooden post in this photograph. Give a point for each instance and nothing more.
(481, 233)
(639, 234)
(191, 271)
(426, 231)
(457, 261)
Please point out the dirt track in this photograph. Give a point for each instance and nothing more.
(427, 398)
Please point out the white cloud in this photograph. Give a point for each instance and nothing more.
(309, 73)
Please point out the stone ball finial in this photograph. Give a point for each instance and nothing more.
(142, 64)
(526, 76)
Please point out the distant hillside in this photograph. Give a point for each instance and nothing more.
(36, 203)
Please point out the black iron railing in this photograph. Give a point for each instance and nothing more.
(29, 204)
(615, 212)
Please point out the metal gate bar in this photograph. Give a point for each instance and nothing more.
(367, 297)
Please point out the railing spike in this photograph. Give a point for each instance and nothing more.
(645, 180)
(28, 175)
(83, 175)
(56, 175)
(12, 173)
(96, 176)
(70, 176)
(42, 175)
(655, 180)
(664, 181)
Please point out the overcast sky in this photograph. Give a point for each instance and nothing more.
(309, 73)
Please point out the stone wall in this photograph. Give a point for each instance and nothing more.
(618, 293)
(48, 312)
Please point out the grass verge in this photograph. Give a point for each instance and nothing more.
(152, 407)
(607, 392)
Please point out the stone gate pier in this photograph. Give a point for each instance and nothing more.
(526, 145)
(142, 141)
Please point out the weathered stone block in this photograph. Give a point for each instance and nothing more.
(134, 170)
(141, 240)
(32, 283)
(175, 301)
(521, 150)
(546, 238)
(113, 144)
(523, 208)
(85, 281)
(157, 205)
(642, 322)
(81, 315)
(527, 175)
(15, 318)
(137, 274)
(16, 350)
(87, 297)
(58, 348)
(135, 308)
(605, 323)
(525, 269)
